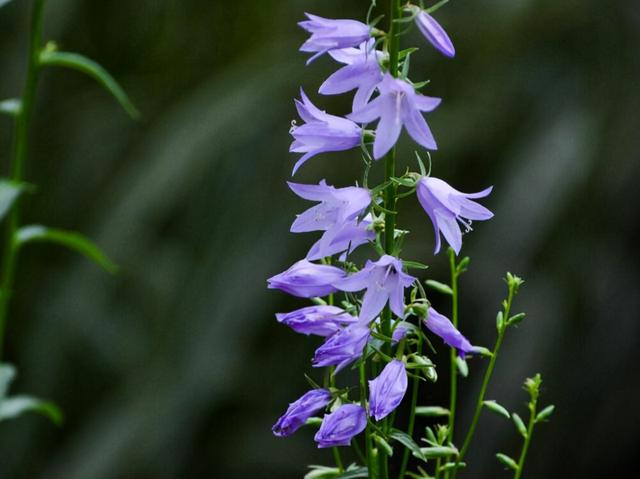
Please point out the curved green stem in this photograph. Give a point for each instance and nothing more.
(20, 152)
(454, 370)
(527, 440)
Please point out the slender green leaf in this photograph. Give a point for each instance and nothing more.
(507, 461)
(452, 465)
(440, 287)
(497, 408)
(7, 374)
(545, 413)
(432, 411)
(9, 193)
(70, 239)
(463, 367)
(522, 429)
(415, 265)
(15, 406)
(437, 452)
(515, 319)
(499, 321)
(354, 473)
(11, 106)
(92, 69)
(386, 447)
(408, 442)
(322, 472)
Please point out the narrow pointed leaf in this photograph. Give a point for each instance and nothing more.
(70, 239)
(507, 461)
(497, 408)
(353, 474)
(439, 287)
(7, 374)
(11, 106)
(522, 429)
(386, 447)
(415, 265)
(437, 452)
(15, 406)
(545, 413)
(9, 193)
(453, 465)
(432, 411)
(92, 69)
(408, 442)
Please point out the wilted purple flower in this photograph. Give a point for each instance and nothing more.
(328, 34)
(342, 238)
(362, 72)
(441, 326)
(435, 34)
(387, 390)
(447, 207)
(307, 280)
(318, 320)
(339, 427)
(299, 411)
(337, 206)
(397, 105)
(321, 132)
(343, 347)
(384, 281)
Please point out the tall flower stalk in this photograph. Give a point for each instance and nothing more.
(377, 317)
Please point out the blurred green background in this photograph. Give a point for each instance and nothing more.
(176, 368)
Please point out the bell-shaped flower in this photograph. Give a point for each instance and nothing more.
(384, 281)
(440, 325)
(342, 425)
(398, 105)
(321, 132)
(307, 280)
(342, 238)
(342, 348)
(387, 390)
(321, 320)
(361, 71)
(328, 34)
(299, 411)
(435, 34)
(337, 206)
(448, 208)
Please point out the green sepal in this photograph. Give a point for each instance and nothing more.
(497, 408)
(439, 287)
(70, 239)
(545, 413)
(414, 265)
(432, 411)
(380, 441)
(10, 106)
(75, 61)
(463, 367)
(437, 6)
(313, 421)
(15, 406)
(10, 191)
(519, 423)
(408, 442)
(507, 461)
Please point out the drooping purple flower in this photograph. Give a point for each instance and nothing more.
(319, 320)
(328, 34)
(361, 71)
(398, 105)
(321, 132)
(447, 207)
(400, 332)
(384, 281)
(299, 411)
(337, 206)
(342, 425)
(387, 390)
(307, 280)
(440, 325)
(343, 347)
(342, 239)
(435, 34)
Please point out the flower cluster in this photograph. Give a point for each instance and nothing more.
(372, 322)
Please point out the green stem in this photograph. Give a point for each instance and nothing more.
(20, 152)
(454, 369)
(485, 382)
(527, 440)
(412, 414)
(363, 403)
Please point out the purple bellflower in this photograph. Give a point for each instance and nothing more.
(319, 320)
(384, 281)
(361, 71)
(328, 34)
(343, 347)
(299, 411)
(398, 105)
(441, 326)
(307, 280)
(447, 207)
(337, 206)
(387, 390)
(435, 34)
(321, 132)
(342, 425)
(342, 239)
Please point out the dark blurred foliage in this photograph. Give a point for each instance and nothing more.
(176, 368)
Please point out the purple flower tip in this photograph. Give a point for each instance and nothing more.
(307, 280)
(342, 425)
(301, 410)
(318, 320)
(328, 34)
(441, 326)
(435, 34)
